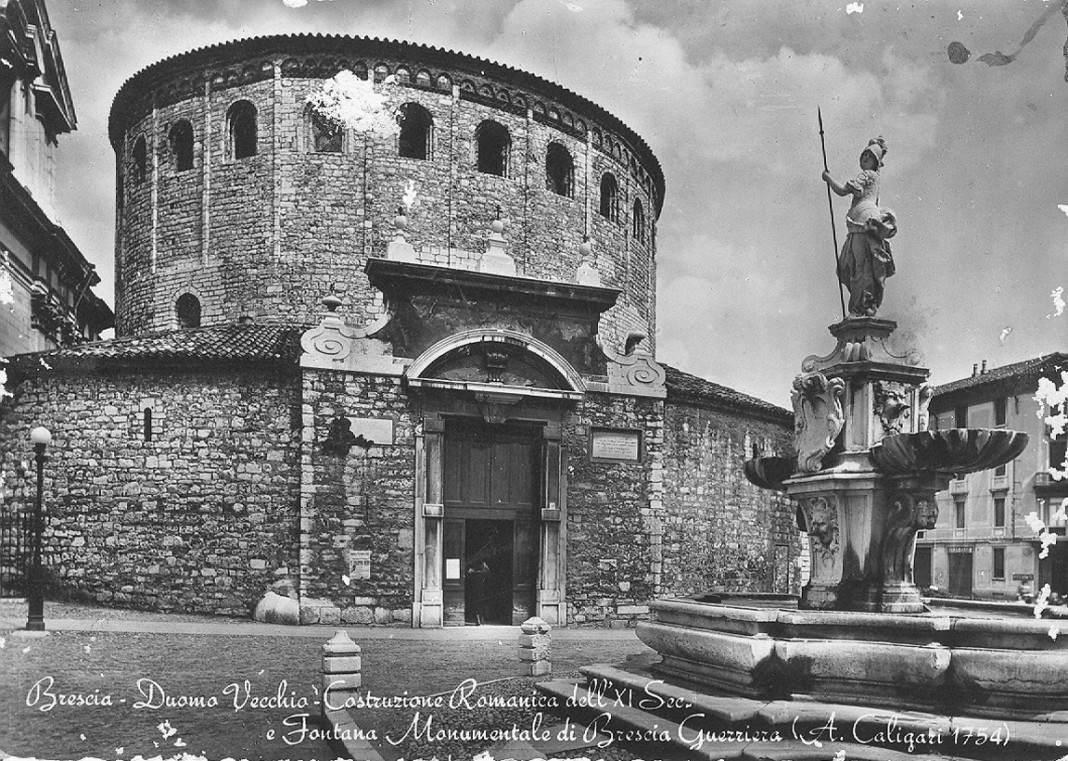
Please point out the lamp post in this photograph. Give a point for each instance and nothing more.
(41, 438)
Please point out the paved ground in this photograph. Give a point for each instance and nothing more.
(55, 691)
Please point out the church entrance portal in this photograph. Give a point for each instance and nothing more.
(491, 523)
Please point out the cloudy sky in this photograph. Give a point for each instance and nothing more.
(726, 94)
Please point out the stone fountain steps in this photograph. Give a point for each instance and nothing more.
(641, 703)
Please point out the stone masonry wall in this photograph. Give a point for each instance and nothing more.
(201, 517)
(268, 236)
(359, 501)
(721, 532)
(613, 513)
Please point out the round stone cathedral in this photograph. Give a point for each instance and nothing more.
(237, 202)
(394, 377)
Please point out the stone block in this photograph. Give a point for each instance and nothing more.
(535, 668)
(353, 616)
(341, 664)
(276, 609)
(535, 640)
(341, 683)
(535, 653)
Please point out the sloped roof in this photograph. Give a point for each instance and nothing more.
(278, 344)
(1021, 374)
(691, 389)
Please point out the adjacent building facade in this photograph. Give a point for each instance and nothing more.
(46, 297)
(983, 544)
(406, 378)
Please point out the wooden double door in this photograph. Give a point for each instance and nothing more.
(492, 483)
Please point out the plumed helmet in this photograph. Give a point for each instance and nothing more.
(877, 148)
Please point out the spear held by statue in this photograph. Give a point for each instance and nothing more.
(830, 203)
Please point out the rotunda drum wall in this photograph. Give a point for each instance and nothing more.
(266, 213)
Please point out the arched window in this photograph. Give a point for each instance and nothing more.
(324, 135)
(140, 159)
(187, 309)
(559, 171)
(181, 140)
(493, 146)
(242, 126)
(638, 222)
(609, 197)
(416, 128)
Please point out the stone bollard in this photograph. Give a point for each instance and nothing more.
(535, 647)
(341, 669)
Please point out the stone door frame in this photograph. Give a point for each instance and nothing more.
(542, 408)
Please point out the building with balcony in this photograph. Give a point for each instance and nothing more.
(409, 378)
(983, 544)
(46, 297)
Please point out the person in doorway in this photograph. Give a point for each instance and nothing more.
(477, 572)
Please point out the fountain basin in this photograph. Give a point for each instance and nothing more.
(957, 450)
(957, 666)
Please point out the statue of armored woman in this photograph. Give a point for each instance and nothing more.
(865, 260)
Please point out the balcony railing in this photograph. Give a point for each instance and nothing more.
(958, 486)
(1048, 486)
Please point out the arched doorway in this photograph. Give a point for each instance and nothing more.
(490, 513)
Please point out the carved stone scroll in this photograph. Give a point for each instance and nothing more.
(818, 418)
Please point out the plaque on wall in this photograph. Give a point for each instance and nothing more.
(373, 431)
(360, 564)
(452, 568)
(621, 446)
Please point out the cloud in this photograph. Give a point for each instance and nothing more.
(294, 3)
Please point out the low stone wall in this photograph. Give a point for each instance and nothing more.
(191, 511)
(721, 532)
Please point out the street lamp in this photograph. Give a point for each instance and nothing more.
(41, 438)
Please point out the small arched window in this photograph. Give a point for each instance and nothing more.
(181, 140)
(493, 144)
(242, 127)
(609, 197)
(324, 135)
(416, 129)
(140, 159)
(147, 421)
(638, 222)
(559, 171)
(187, 309)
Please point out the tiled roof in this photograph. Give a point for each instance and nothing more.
(1022, 372)
(683, 387)
(224, 343)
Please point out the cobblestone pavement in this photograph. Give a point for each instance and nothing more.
(115, 684)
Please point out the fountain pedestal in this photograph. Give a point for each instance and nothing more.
(860, 643)
(862, 533)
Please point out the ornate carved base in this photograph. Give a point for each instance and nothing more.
(862, 534)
